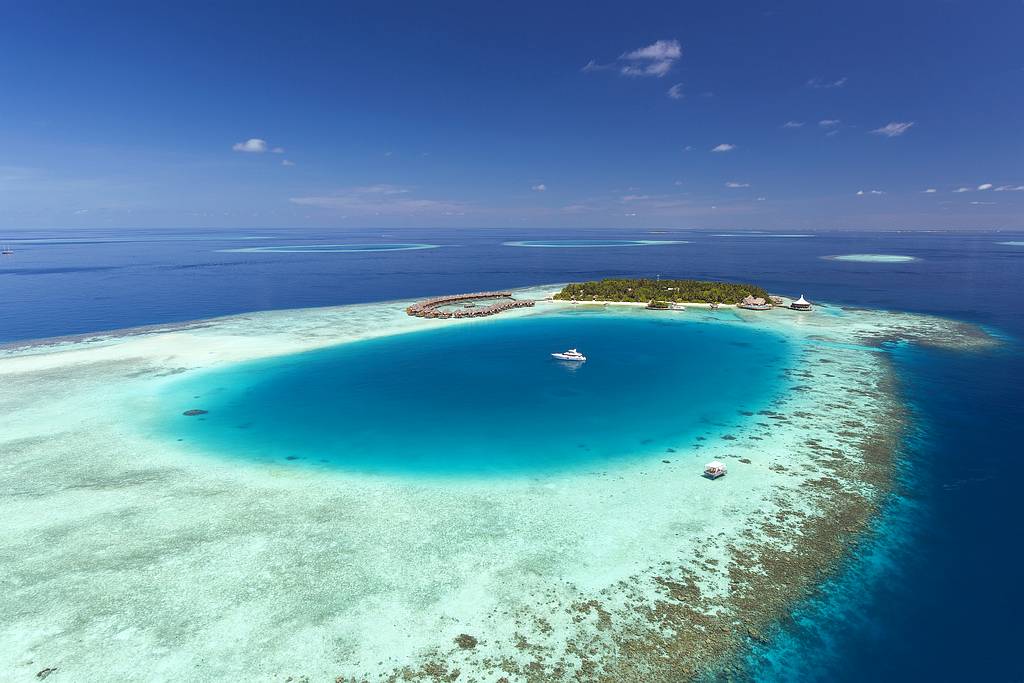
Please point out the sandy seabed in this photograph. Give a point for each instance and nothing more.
(127, 556)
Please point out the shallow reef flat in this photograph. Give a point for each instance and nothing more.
(873, 258)
(126, 555)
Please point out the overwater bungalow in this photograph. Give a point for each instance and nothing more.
(800, 304)
(755, 303)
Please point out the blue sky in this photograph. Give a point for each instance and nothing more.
(762, 115)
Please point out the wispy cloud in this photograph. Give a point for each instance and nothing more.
(655, 60)
(822, 83)
(985, 186)
(733, 183)
(1010, 188)
(983, 203)
(829, 123)
(381, 199)
(676, 92)
(287, 162)
(793, 124)
(930, 190)
(724, 147)
(861, 193)
(962, 189)
(894, 129)
(278, 150)
(252, 145)
(539, 187)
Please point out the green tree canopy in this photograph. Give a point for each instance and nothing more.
(643, 290)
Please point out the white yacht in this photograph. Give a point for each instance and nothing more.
(715, 469)
(571, 354)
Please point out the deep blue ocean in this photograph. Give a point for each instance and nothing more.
(936, 595)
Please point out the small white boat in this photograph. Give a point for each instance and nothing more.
(715, 469)
(571, 354)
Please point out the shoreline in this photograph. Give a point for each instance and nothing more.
(542, 572)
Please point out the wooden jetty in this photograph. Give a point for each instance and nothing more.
(431, 308)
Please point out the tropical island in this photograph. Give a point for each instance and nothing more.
(675, 291)
(811, 465)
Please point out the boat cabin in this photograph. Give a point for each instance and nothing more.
(715, 469)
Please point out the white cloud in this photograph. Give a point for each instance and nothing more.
(688, 148)
(287, 162)
(983, 203)
(278, 150)
(793, 124)
(829, 123)
(656, 59)
(676, 92)
(380, 199)
(894, 129)
(962, 189)
(254, 145)
(861, 193)
(657, 51)
(724, 147)
(733, 183)
(761, 199)
(1010, 188)
(930, 190)
(985, 186)
(821, 83)
(539, 187)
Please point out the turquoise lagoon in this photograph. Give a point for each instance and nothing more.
(486, 397)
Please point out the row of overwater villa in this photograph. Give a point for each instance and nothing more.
(431, 308)
(757, 303)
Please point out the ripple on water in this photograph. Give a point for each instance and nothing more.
(330, 248)
(873, 258)
(759, 234)
(577, 244)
